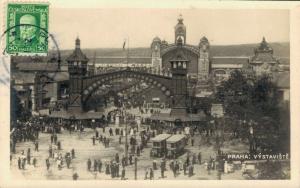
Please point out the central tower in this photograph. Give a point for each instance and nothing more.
(180, 31)
(179, 65)
(77, 68)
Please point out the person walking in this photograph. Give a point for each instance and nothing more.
(34, 162)
(99, 165)
(36, 144)
(199, 158)
(151, 174)
(123, 174)
(184, 168)
(73, 153)
(19, 162)
(117, 158)
(47, 163)
(89, 163)
(146, 174)
(120, 139)
(95, 165)
(110, 132)
(59, 145)
(50, 151)
(162, 170)
(130, 159)
(75, 176)
(28, 156)
(23, 163)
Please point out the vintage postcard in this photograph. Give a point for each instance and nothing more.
(198, 93)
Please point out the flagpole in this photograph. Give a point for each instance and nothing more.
(127, 51)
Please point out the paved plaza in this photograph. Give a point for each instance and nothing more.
(84, 150)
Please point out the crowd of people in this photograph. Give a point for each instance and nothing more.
(116, 167)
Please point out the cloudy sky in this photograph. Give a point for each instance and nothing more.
(108, 27)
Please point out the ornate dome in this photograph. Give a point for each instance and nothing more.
(156, 39)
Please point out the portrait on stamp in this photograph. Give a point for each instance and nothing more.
(28, 27)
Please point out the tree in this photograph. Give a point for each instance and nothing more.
(236, 94)
(256, 100)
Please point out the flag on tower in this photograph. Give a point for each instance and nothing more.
(124, 44)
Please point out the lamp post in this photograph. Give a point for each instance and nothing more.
(135, 168)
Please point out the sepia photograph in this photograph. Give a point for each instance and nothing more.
(147, 93)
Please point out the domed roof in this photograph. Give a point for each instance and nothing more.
(180, 23)
(204, 39)
(263, 47)
(156, 39)
(77, 54)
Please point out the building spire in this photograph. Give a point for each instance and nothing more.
(180, 19)
(77, 43)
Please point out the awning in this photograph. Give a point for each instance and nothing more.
(76, 115)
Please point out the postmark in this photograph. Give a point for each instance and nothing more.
(28, 28)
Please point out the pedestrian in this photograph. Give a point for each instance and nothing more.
(28, 156)
(55, 139)
(130, 159)
(138, 151)
(68, 161)
(107, 140)
(47, 163)
(50, 151)
(59, 145)
(117, 169)
(34, 162)
(73, 153)
(188, 159)
(174, 172)
(194, 159)
(110, 132)
(117, 158)
(154, 165)
(184, 168)
(19, 163)
(112, 169)
(176, 167)
(93, 140)
(123, 174)
(95, 165)
(99, 165)
(146, 174)
(151, 174)
(97, 134)
(75, 176)
(199, 158)
(107, 168)
(89, 163)
(23, 163)
(162, 169)
(36, 144)
(120, 139)
(190, 170)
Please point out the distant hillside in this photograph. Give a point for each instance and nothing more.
(280, 50)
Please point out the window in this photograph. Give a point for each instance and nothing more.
(174, 65)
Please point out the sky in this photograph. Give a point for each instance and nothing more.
(108, 27)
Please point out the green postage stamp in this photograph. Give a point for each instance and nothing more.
(27, 28)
